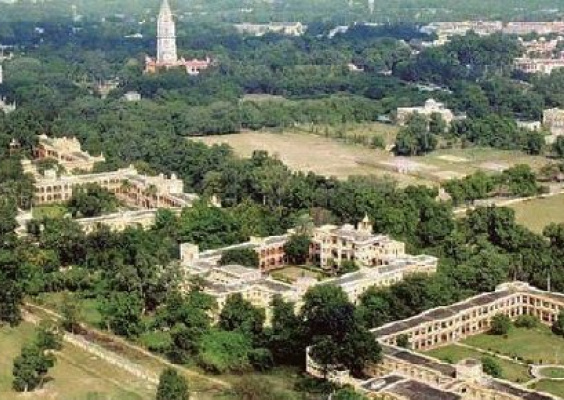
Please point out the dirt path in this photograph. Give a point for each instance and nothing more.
(100, 349)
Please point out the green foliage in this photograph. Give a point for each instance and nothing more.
(297, 248)
(91, 200)
(121, 313)
(172, 386)
(347, 394)
(491, 367)
(240, 315)
(402, 341)
(558, 325)
(500, 324)
(416, 138)
(222, 351)
(527, 321)
(246, 256)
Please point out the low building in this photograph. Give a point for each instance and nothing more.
(283, 28)
(119, 221)
(541, 65)
(431, 107)
(553, 121)
(67, 152)
(132, 96)
(5, 107)
(404, 374)
(192, 67)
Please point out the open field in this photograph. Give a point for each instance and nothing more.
(538, 213)
(50, 211)
(294, 273)
(539, 345)
(308, 151)
(76, 376)
(453, 353)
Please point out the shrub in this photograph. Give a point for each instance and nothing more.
(500, 325)
(526, 321)
(491, 367)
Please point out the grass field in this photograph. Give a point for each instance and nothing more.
(293, 273)
(453, 353)
(538, 213)
(553, 372)
(76, 376)
(554, 387)
(538, 345)
(303, 150)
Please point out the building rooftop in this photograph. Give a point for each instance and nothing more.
(416, 390)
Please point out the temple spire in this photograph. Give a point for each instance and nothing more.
(166, 36)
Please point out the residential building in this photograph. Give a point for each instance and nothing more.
(431, 107)
(67, 152)
(333, 244)
(5, 107)
(540, 47)
(283, 28)
(405, 374)
(132, 96)
(129, 186)
(542, 65)
(553, 121)
(444, 325)
(167, 56)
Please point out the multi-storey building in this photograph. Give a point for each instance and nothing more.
(67, 152)
(127, 184)
(444, 325)
(544, 65)
(333, 244)
(431, 107)
(5, 107)
(404, 374)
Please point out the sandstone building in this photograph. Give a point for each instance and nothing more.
(431, 107)
(67, 152)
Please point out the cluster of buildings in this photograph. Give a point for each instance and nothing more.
(431, 106)
(406, 374)
(282, 28)
(142, 193)
(445, 30)
(382, 262)
(553, 121)
(5, 107)
(167, 56)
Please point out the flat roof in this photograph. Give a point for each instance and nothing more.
(417, 390)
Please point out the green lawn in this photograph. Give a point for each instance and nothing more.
(76, 376)
(453, 353)
(553, 372)
(50, 211)
(554, 387)
(88, 307)
(537, 345)
(538, 213)
(292, 273)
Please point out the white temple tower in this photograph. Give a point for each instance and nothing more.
(166, 36)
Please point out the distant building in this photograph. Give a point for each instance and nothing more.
(431, 107)
(167, 56)
(132, 96)
(543, 65)
(283, 28)
(7, 107)
(67, 152)
(553, 120)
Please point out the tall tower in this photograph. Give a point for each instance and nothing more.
(166, 36)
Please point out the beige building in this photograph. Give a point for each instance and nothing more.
(431, 107)
(334, 244)
(443, 325)
(542, 65)
(405, 374)
(283, 28)
(67, 152)
(5, 107)
(553, 120)
(127, 184)
(119, 221)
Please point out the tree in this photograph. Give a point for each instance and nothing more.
(558, 147)
(402, 341)
(70, 312)
(491, 367)
(31, 367)
(285, 334)
(91, 200)
(222, 351)
(245, 256)
(527, 321)
(121, 313)
(172, 386)
(240, 315)
(297, 248)
(500, 325)
(558, 325)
